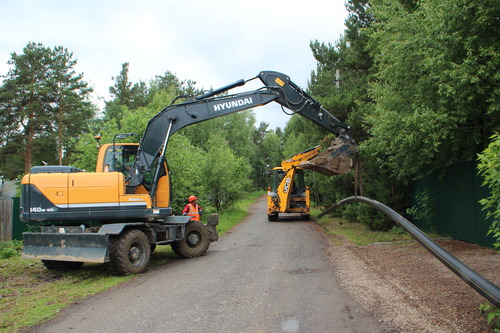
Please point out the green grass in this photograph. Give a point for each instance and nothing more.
(30, 294)
(359, 234)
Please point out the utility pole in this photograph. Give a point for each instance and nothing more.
(337, 78)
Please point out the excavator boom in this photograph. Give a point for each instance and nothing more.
(277, 88)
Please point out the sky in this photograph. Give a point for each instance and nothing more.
(213, 43)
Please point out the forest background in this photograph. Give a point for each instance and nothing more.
(417, 81)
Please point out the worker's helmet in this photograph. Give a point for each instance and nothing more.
(192, 198)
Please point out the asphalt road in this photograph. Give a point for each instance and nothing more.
(260, 277)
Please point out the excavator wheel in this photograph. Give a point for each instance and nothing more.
(195, 243)
(272, 217)
(130, 252)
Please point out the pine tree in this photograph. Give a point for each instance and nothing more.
(24, 98)
(41, 99)
(71, 106)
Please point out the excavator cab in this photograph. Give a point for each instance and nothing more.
(278, 175)
(117, 157)
(298, 186)
(120, 157)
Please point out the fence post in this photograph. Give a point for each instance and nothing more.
(6, 219)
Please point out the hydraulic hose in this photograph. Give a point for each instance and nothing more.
(483, 286)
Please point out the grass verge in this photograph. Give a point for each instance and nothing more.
(30, 294)
(342, 231)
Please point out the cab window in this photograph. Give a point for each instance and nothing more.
(278, 177)
(120, 158)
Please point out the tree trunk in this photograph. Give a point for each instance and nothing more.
(60, 135)
(28, 153)
(358, 178)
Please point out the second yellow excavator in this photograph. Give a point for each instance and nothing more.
(288, 193)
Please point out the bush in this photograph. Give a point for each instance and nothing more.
(492, 315)
(489, 169)
(423, 209)
(10, 249)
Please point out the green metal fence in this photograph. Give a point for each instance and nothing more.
(455, 201)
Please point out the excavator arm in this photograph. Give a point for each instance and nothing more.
(297, 159)
(277, 87)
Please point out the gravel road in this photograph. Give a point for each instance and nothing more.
(259, 277)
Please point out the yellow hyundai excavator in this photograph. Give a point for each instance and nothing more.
(121, 212)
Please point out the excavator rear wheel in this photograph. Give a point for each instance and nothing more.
(195, 243)
(305, 217)
(130, 252)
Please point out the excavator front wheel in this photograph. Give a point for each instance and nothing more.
(195, 243)
(130, 252)
(272, 217)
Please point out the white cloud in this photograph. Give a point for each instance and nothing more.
(211, 42)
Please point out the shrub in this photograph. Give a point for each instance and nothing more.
(489, 169)
(10, 249)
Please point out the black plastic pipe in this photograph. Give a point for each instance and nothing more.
(483, 286)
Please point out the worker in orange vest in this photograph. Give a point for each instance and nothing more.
(192, 209)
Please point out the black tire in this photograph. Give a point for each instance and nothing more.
(195, 243)
(57, 265)
(305, 217)
(130, 252)
(272, 217)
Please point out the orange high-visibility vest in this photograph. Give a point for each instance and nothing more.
(193, 212)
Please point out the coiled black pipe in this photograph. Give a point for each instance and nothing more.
(483, 286)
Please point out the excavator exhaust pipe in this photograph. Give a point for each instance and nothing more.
(336, 159)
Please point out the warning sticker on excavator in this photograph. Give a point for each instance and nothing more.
(279, 81)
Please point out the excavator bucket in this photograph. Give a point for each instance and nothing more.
(334, 160)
